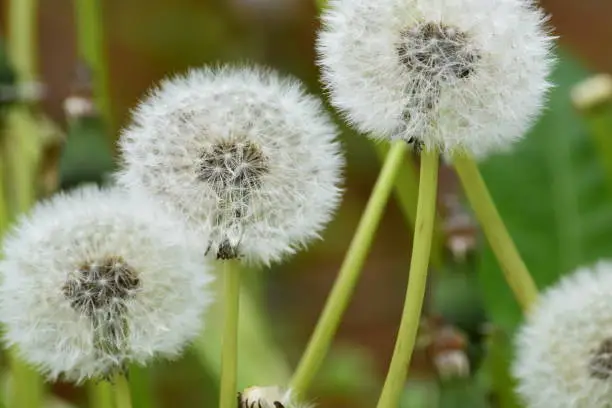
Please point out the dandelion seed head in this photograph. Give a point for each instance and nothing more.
(95, 279)
(454, 75)
(243, 153)
(564, 349)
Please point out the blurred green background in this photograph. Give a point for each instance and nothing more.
(554, 191)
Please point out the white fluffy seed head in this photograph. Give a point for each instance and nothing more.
(95, 279)
(564, 350)
(268, 397)
(243, 153)
(466, 75)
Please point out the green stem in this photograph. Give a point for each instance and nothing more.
(19, 154)
(4, 211)
(253, 341)
(92, 50)
(229, 353)
(123, 397)
(141, 386)
(22, 20)
(100, 394)
(26, 388)
(349, 272)
(510, 260)
(417, 279)
(406, 193)
(22, 146)
(4, 221)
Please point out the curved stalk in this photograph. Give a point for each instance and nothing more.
(515, 271)
(123, 398)
(415, 293)
(349, 272)
(100, 394)
(92, 50)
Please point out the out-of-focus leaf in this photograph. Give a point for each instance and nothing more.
(553, 196)
(348, 371)
(422, 394)
(551, 193)
(495, 371)
(456, 297)
(141, 387)
(593, 99)
(461, 393)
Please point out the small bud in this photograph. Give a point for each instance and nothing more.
(592, 92)
(78, 106)
(80, 101)
(268, 397)
(460, 229)
(452, 364)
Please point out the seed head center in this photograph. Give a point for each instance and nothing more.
(230, 165)
(437, 51)
(600, 364)
(101, 286)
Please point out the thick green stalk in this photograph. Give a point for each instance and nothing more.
(100, 394)
(92, 50)
(4, 211)
(515, 271)
(417, 280)
(22, 146)
(20, 150)
(141, 387)
(349, 272)
(229, 353)
(26, 386)
(254, 343)
(123, 398)
(406, 193)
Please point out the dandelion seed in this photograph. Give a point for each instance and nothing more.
(242, 153)
(96, 279)
(564, 350)
(268, 397)
(450, 74)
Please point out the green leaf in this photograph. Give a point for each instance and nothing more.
(494, 373)
(460, 393)
(551, 193)
(422, 394)
(349, 371)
